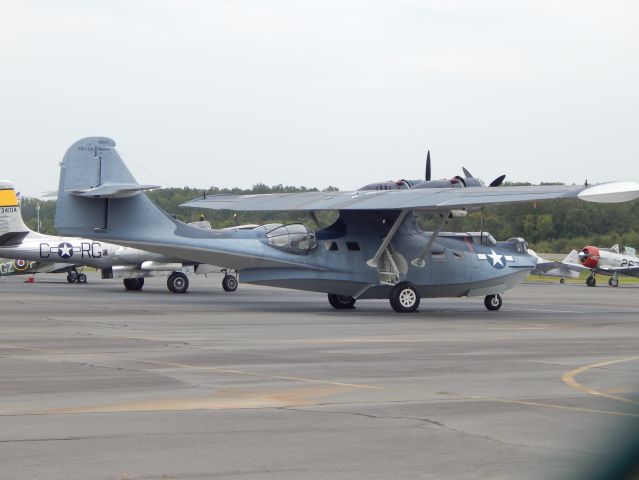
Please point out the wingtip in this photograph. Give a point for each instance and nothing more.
(612, 192)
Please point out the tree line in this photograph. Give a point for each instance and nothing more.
(550, 226)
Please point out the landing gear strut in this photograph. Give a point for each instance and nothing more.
(404, 298)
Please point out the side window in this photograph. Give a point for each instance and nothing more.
(352, 246)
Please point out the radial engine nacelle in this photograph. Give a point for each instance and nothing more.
(590, 256)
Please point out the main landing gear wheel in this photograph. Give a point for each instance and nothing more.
(72, 277)
(341, 302)
(493, 302)
(404, 298)
(562, 280)
(613, 282)
(591, 281)
(81, 278)
(229, 283)
(177, 282)
(133, 284)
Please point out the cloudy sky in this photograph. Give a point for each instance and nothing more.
(318, 93)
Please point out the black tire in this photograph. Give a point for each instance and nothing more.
(562, 280)
(229, 283)
(591, 281)
(493, 302)
(82, 278)
(133, 284)
(72, 277)
(177, 282)
(613, 282)
(341, 302)
(404, 298)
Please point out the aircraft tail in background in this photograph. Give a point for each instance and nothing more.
(12, 227)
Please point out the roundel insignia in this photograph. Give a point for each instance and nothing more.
(496, 260)
(21, 264)
(65, 250)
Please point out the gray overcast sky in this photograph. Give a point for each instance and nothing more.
(317, 93)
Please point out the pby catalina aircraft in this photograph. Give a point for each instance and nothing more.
(373, 250)
(37, 253)
(607, 261)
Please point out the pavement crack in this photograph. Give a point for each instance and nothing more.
(52, 439)
(427, 422)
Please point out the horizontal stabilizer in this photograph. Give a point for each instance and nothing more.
(112, 190)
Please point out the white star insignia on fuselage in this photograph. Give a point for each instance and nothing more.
(66, 250)
(496, 258)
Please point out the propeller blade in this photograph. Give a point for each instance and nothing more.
(467, 173)
(498, 181)
(428, 166)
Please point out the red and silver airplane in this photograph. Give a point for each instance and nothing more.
(606, 261)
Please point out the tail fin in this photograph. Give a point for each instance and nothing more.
(12, 227)
(99, 198)
(572, 258)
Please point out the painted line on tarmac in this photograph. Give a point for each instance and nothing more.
(556, 406)
(569, 379)
(263, 375)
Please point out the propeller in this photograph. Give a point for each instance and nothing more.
(495, 183)
(467, 175)
(498, 181)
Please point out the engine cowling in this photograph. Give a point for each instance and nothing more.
(589, 256)
(400, 184)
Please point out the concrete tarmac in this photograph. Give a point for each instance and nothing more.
(262, 383)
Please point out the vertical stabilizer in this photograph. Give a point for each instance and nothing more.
(572, 258)
(99, 198)
(12, 227)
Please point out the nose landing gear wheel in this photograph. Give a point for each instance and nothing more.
(177, 282)
(591, 281)
(493, 302)
(613, 282)
(404, 298)
(229, 283)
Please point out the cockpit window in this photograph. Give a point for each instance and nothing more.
(521, 245)
(483, 238)
(294, 238)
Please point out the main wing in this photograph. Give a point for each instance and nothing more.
(415, 199)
